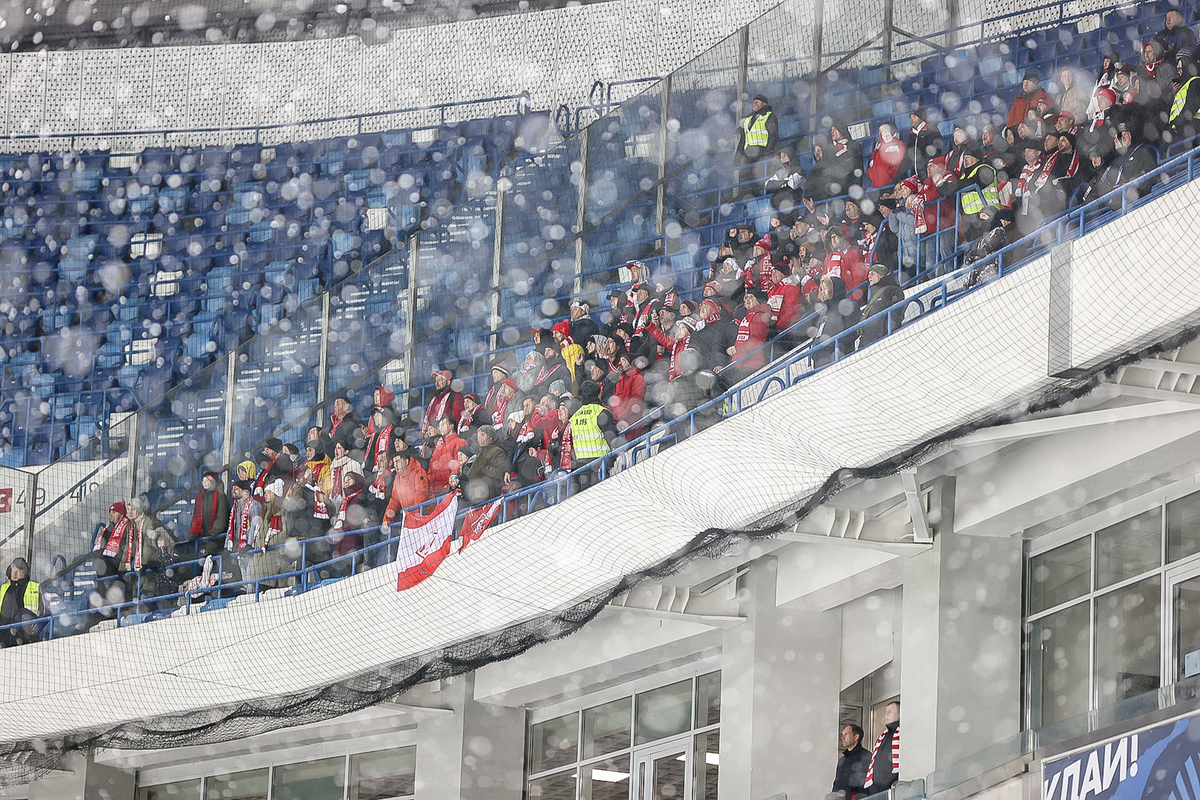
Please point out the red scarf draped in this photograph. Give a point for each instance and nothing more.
(198, 513)
(239, 525)
(340, 524)
(377, 487)
(544, 373)
(261, 481)
(133, 553)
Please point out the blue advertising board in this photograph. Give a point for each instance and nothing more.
(1161, 763)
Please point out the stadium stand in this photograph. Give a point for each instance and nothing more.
(461, 321)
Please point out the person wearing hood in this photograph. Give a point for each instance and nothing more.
(383, 423)
(819, 186)
(835, 312)
(924, 143)
(885, 292)
(960, 143)
(758, 136)
(887, 157)
(758, 269)
(275, 465)
(210, 512)
(784, 298)
(486, 473)
(445, 401)
(628, 401)
(843, 260)
(1152, 83)
(1185, 104)
(1109, 63)
(1027, 99)
(896, 242)
(845, 156)
(1000, 222)
(785, 183)
(341, 465)
(20, 601)
(353, 515)
(382, 397)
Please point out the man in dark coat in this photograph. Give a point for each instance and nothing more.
(714, 336)
(924, 143)
(485, 473)
(210, 515)
(583, 327)
(852, 764)
(885, 293)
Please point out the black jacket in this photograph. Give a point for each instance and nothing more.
(921, 147)
(583, 329)
(833, 317)
(713, 341)
(884, 295)
(852, 771)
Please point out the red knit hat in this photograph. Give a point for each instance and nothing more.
(118, 507)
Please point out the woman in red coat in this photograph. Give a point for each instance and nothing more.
(444, 461)
(887, 156)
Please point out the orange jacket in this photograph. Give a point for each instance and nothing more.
(408, 489)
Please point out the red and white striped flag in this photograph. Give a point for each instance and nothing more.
(425, 542)
(476, 521)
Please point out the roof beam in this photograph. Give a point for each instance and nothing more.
(1165, 403)
(922, 530)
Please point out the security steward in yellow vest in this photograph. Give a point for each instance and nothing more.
(593, 431)
(20, 601)
(1185, 109)
(980, 188)
(758, 136)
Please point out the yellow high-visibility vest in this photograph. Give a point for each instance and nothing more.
(972, 201)
(586, 436)
(1180, 97)
(756, 134)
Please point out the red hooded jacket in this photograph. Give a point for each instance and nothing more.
(753, 331)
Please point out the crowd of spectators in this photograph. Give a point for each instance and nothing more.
(842, 238)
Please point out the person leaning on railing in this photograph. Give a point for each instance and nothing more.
(1132, 159)
(20, 601)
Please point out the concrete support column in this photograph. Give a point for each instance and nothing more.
(779, 696)
(961, 678)
(477, 753)
(80, 778)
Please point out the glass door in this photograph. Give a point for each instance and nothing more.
(664, 772)
(1182, 622)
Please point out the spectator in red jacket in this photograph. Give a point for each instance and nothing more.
(1031, 93)
(753, 331)
(887, 156)
(445, 401)
(843, 260)
(758, 268)
(784, 298)
(628, 402)
(444, 461)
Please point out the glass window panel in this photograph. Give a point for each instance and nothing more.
(314, 780)
(555, 743)
(250, 785)
(383, 775)
(1128, 548)
(559, 786)
(180, 790)
(1183, 527)
(1060, 575)
(708, 699)
(1058, 659)
(607, 728)
(708, 761)
(1127, 642)
(664, 712)
(605, 780)
(669, 777)
(1186, 598)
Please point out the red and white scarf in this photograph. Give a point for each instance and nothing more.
(544, 374)
(340, 523)
(438, 407)
(381, 443)
(133, 553)
(377, 489)
(240, 519)
(261, 481)
(895, 756)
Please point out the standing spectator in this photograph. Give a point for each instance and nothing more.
(885, 293)
(244, 520)
(896, 244)
(785, 184)
(1185, 107)
(820, 184)
(758, 268)
(996, 239)
(472, 417)
(379, 443)
(593, 432)
(754, 329)
(835, 313)
(924, 143)
(628, 402)
(843, 260)
(445, 456)
(1175, 38)
(410, 486)
(487, 471)
(598, 371)
(20, 601)
(445, 401)
(694, 388)
(1133, 159)
(1027, 100)
(1071, 98)
(341, 466)
(344, 424)
(1109, 65)
(714, 334)
(1156, 74)
(887, 157)
(758, 135)
(1028, 217)
(673, 344)
(162, 578)
(852, 765)
(960, 143)
(884, 769)
(270, 536)
(119, 553)
(352, 517)
(210, 513)
(784, 297)
(979, 185)
(583, 327)
(845, 169)
(273, 466)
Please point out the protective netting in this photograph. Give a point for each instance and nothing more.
(982, 360)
